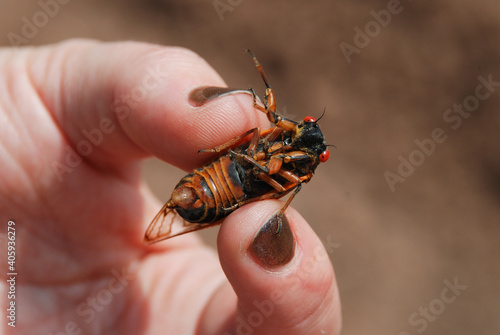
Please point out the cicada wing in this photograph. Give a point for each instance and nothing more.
(168, 223)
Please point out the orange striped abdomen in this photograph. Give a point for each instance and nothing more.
(210, 193)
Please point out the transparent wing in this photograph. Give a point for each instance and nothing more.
(168, 223)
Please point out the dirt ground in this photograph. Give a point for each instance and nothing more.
(409, 202)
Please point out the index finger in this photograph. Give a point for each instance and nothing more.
(137, 94)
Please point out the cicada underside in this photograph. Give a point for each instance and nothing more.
(256, 165)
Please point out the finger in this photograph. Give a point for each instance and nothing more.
(130, 100)
(284, 282)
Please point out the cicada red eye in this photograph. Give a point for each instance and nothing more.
(309, 119)
(323, 157)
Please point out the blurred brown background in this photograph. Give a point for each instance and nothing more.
(387, 72)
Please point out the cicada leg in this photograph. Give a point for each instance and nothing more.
(294, 180)
(236, 141)
(270, 101)
(256, 136)
(295, 184)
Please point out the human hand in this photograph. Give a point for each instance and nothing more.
(76, 120)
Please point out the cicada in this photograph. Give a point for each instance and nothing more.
(256, 165)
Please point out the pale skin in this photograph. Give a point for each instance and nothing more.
(81, 207)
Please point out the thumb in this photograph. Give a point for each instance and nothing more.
(284, 281)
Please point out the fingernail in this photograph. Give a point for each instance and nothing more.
(201, 95)
(271, 248)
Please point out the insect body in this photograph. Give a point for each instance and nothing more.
(270, 165)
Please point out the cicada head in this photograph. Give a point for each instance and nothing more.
(309, 138)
